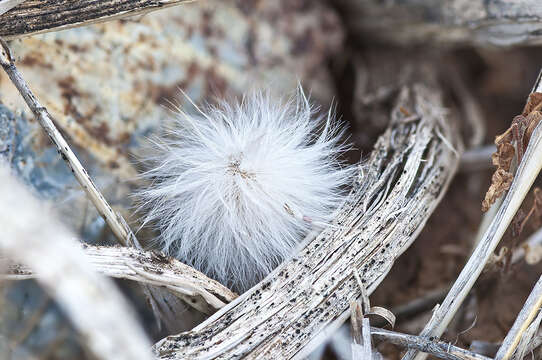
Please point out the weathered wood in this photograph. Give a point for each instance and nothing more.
(495, 22)
(300, 303)
(147, 267)
(38, 16)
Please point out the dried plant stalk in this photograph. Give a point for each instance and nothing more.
(307, 298)
(92, 302)
(147, 267)
(34, 17)
(525, 317)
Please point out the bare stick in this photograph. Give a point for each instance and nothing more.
(440, 349)
(92, 302)
(526, 174)
(33, 17)
(302, 302)
(149, 268)
(416, 306)
(525, 317)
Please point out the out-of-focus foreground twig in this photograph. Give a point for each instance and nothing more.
(92, 302)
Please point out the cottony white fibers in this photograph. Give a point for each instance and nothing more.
(234, 188)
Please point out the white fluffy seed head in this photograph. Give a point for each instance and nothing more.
(234, 188)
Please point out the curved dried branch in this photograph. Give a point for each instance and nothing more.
(300, 303)
(147, 267)
(92, 302)
(34, 17)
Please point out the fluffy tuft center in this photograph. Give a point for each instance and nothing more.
(236, 187)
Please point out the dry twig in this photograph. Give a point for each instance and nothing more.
(478, 158)
(440, 349)
(115, 221)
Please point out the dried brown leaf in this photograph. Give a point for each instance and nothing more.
(510, 143)
(500, 183)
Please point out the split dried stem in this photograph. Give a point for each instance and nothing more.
(146, 267)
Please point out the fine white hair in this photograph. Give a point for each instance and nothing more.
(235, 187)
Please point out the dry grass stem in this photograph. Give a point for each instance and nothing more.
(437, 348)
(115, 221)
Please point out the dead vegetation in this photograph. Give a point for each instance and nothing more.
(460, 292)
